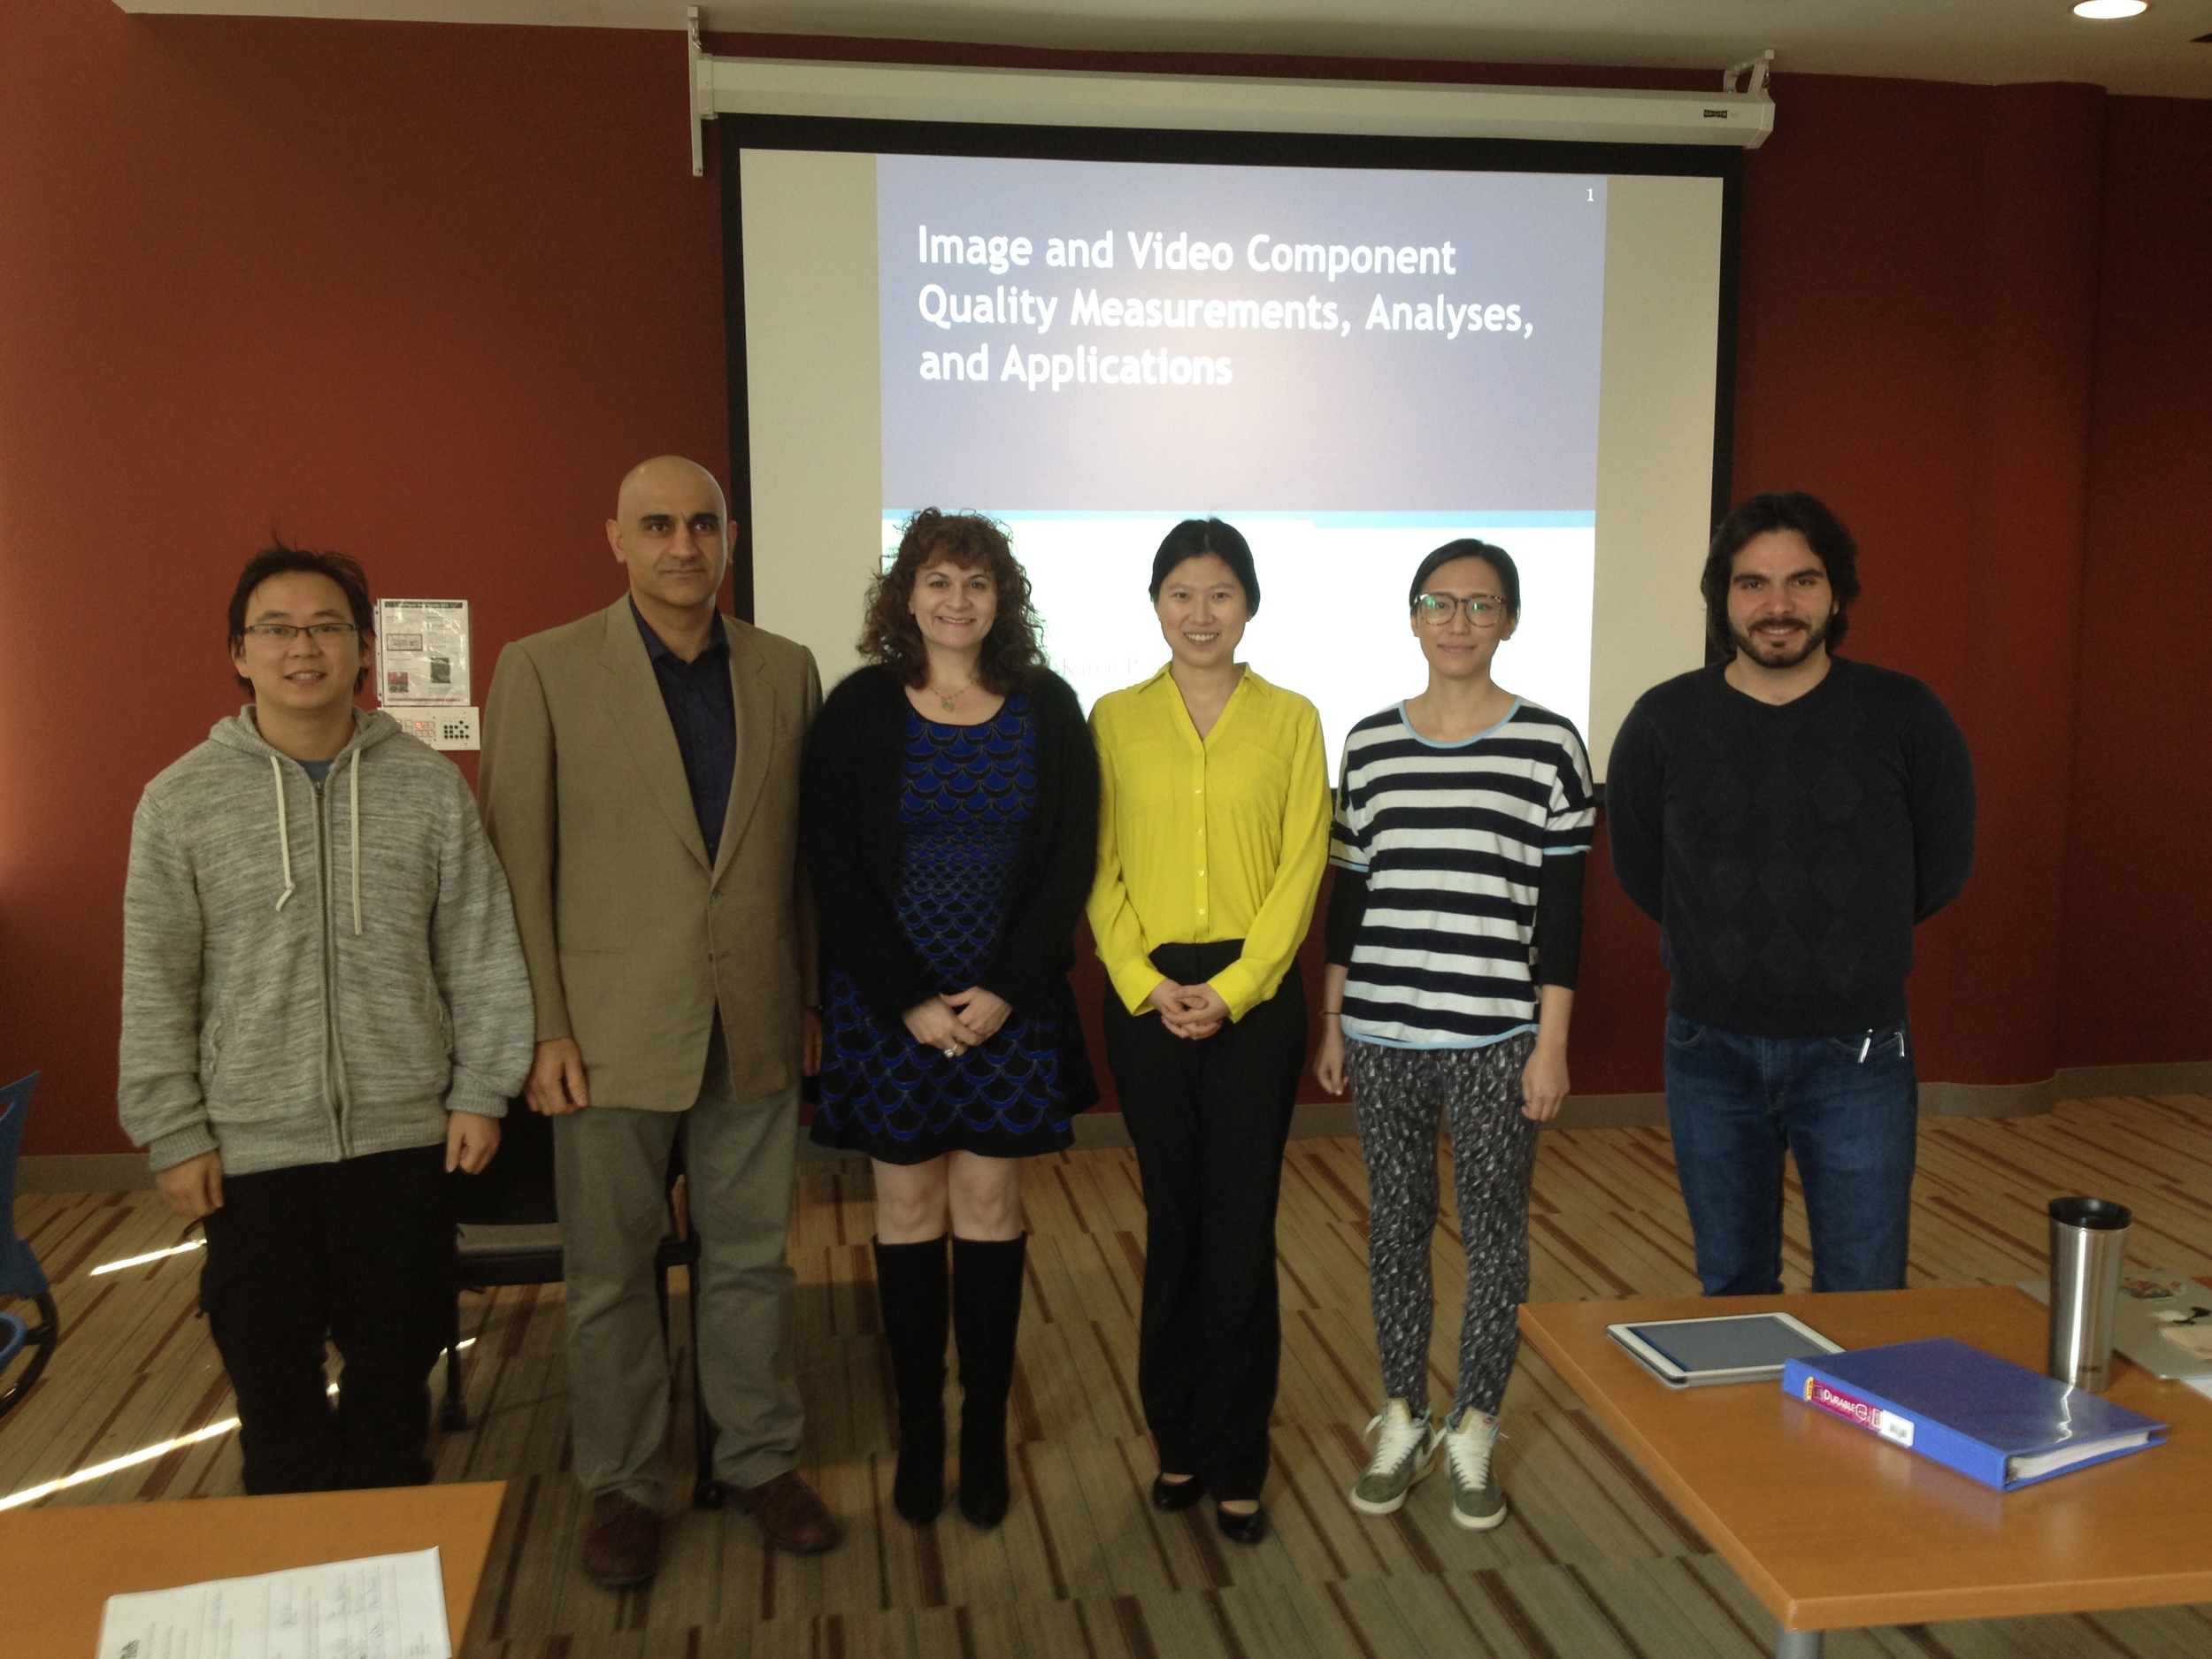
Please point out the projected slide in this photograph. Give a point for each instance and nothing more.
(1353, 366)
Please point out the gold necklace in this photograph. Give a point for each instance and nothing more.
(952, 696)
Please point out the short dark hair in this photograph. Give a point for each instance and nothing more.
(1468, 548)
(1194, 538)
(277, 559)
(1778, 509)
(890, 635)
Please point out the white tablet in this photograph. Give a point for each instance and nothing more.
(1724, 1349)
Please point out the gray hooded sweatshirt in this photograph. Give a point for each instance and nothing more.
(314, 971)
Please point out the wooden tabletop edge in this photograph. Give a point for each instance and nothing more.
(1931, 1607)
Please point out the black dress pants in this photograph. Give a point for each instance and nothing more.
(1209, 1120)
(360, 1252)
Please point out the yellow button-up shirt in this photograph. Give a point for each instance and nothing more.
(1201, 839)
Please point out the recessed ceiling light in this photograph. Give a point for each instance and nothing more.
(2102, 8)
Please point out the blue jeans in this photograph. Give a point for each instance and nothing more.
(1847, 1108)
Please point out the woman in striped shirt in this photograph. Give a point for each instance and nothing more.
(1463, 828)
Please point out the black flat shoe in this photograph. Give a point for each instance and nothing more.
(1242, 1529)
(1173, 1496)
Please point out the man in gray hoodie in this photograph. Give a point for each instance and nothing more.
(324, 1011)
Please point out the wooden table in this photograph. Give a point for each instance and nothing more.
(63, 1564)
(1832, 1527)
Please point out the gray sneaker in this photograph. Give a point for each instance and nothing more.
(1404, 1448)
(1477, 1504)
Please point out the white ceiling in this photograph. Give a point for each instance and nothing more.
(1987, 40)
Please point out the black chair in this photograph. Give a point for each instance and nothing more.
(510, 1233)
(24, 1348)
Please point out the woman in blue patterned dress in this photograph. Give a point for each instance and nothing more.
(949, 817)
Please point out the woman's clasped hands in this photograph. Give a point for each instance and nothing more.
(1195, 1012)
(957, 1021)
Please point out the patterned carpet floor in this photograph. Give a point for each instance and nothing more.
(1592, 1561)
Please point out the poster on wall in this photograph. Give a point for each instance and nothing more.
(422, 671)
(422, 648)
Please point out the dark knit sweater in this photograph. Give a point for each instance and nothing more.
(1788, 851)
(849, 838)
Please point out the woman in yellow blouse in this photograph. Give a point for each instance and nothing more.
(1213, 829)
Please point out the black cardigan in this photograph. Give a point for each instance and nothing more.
(848, 809)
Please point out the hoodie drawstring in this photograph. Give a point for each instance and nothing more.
(284, 831)
(354, 821)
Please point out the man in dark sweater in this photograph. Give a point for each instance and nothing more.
(1787, 817)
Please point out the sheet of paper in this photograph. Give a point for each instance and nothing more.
(2202, 1385)
(422, 653)
(381, 1607)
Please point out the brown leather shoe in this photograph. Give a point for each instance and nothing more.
(789, 1514)
(622, 1546)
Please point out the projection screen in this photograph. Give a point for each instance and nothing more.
(1353, 362)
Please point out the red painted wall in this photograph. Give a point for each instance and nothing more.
(423, 292)
(1918, 321)
(418, 293)
(2137, 897)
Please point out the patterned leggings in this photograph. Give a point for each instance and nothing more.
(1398, 1094)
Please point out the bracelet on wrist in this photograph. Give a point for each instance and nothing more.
(1333, 1013)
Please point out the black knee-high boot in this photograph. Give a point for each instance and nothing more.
(987, 1310)
(910, 1281)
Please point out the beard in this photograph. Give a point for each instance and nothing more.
(1786, 653)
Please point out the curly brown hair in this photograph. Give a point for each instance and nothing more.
(890, 635)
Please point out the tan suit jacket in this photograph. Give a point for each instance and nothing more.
(633, 938)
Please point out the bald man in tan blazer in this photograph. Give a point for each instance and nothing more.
(640, 782)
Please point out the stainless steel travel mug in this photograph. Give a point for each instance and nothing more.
(2089, 1236)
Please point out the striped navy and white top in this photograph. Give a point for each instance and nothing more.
(1451, 840)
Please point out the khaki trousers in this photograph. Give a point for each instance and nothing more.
(610, 1165)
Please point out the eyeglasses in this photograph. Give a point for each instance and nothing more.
(1482, 611)
(284, 632)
